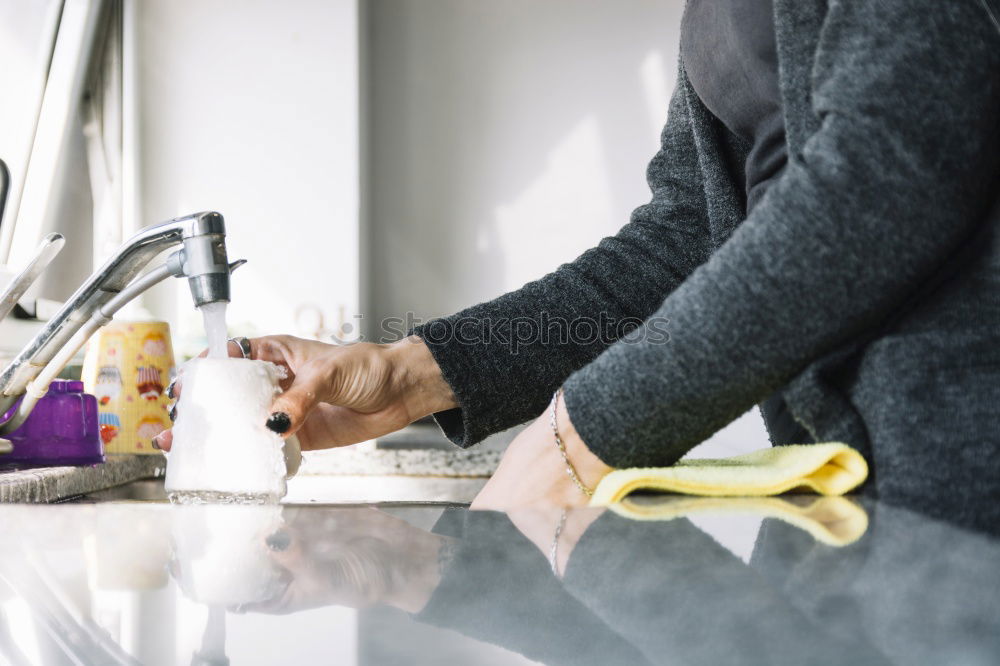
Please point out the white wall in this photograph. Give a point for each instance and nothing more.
(506, 138)
(253, 111)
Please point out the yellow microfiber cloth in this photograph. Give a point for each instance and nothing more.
(835, 521)
(831, 468)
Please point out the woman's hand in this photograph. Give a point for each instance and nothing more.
(532, 472)
(336, 395)
(354, 558)
(554, 531)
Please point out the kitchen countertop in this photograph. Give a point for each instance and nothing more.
(664, 579)
(54, 484)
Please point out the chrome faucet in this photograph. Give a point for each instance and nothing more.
(202, 260)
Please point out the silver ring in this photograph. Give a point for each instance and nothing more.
(243, 344)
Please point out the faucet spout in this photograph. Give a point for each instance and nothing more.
(203, 261)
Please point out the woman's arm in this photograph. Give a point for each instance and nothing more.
(497, 587)
(504, 358)
(902, 168)
(680, 597)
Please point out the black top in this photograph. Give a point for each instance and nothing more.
(731, 58)
(730, 55)
(841, 288)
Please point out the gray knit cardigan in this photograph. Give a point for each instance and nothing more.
(863, 287)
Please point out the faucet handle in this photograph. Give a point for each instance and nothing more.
(47, 251)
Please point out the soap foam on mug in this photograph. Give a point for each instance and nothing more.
(221, 449)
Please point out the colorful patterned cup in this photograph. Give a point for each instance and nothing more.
(128, 366)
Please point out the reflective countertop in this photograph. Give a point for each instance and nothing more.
(798, 580)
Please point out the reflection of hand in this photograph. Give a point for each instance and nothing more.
(337, 395)
(351, 557)
(554, 531)
(532, 472)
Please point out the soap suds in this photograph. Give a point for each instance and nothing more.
(221, 449)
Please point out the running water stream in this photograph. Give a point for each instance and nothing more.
(214, 315)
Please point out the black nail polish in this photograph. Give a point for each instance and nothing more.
(279, 422)
(170, 388)
(172, 413)
(279, 541)
(156, 443)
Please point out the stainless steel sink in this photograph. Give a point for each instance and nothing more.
(145, 490)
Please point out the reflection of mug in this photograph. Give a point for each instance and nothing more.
(128, 366)
(221, 556)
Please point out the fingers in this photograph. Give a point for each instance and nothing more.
(269, 348)
(164, 440)
(175, 386)
(232, 349)
(284, 349)
(293, 406)
(290, 409)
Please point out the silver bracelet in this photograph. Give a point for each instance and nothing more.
(554, 550)
(446, 553)
(570, 470)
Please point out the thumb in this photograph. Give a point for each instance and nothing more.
(291, 409)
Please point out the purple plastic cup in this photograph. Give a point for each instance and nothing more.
(63, 429)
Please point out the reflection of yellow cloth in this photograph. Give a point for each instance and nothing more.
(835, 521)
(827, 469)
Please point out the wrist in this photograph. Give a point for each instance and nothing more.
(418, 379)
(588, 466)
